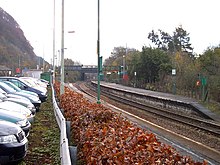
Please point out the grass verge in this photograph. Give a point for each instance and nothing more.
(44, 137)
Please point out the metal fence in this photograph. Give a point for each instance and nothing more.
(65, 152)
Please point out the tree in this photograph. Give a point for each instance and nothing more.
(151, 64)
(210, 61)
(116, 57)
(68, 61)
(210, 69)
(14, 45)
(162, 40)
(179, 41)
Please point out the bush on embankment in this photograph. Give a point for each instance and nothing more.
(105, 137)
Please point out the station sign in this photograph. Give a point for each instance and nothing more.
(173, 72)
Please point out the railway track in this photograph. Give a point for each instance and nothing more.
(196, 124)
(203, 125)
(207, 126)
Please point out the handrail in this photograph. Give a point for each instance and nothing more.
(64, 146)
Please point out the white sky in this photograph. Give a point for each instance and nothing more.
(121, 22)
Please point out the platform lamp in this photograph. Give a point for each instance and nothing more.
(54, 56)
(62, 91)
(98, 52)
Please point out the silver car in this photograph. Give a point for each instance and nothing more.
(33, 97)
(19, 100)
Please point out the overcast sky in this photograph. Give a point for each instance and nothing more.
(122, 22)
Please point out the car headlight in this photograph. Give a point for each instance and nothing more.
(8, 139)
(30, 107)
(34, 99)
(22, 123)
(29, 115)
(42, 93)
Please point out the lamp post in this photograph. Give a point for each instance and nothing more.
(174, 69)
(123, 67)
(71, 31)
(98, 52)
(19, 63)
(62, 52)
(174, 80)
(58, 59)
(54, 68)
(135, 79)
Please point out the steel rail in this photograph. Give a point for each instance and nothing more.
(204, 125)
(203, 149)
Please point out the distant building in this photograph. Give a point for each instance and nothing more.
(5, 71)
(32, 73)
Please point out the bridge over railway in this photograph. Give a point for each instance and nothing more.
(90, 71)
(86, 71)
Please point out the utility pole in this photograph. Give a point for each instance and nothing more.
(98, 52)
(54, 41)
(62, 52)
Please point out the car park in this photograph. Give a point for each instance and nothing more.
(13, 95)
(17, 119)
(13, 142)
(30, 107)
(20, 90)
(16, 108)
(24, 85)
(34, 99)
(35, 83)
(17, 99)
(45, 81)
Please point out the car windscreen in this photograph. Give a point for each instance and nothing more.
(6, 88)
(12, 86)
(27, 82)
(2, 97)
(31, 82)
(2, 91)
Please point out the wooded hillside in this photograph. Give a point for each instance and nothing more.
(15, 49)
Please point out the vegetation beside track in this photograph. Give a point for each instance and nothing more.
(105, 137)
(44, 137)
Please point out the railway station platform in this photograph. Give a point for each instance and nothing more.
(165, 96)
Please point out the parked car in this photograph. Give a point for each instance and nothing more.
(35, 83)
(46, 82)
(16, 108)
(20, 90)
(26, 86)
(13, 142)
(17, 99)
(17, 119)
(13, 96)
(34, 99)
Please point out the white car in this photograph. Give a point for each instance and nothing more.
(17, 119)
(16, 108)
(17, 99)
(26, 86)
(34, 99)
(35, 83)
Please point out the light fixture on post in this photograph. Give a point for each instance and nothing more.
(71, 31)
